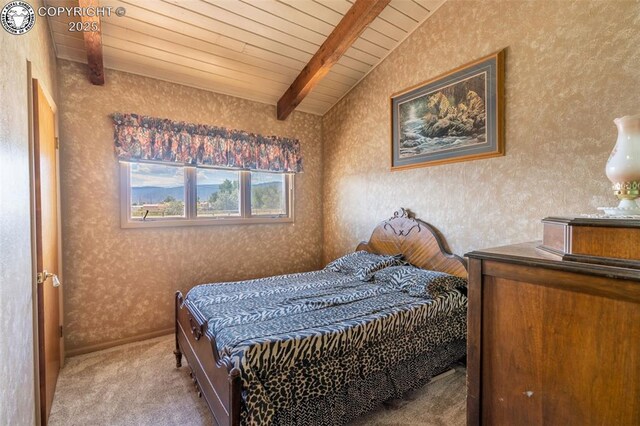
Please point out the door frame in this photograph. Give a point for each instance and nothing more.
(34, 284)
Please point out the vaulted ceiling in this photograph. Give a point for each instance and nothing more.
(253, 49)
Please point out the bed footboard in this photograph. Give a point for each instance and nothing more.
(216, 379)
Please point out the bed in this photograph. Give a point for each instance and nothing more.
(324, 347)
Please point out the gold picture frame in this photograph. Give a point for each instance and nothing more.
(457, 116)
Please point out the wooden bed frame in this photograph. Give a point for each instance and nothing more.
(219, 381)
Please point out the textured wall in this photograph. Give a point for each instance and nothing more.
(120, 282)
(17, 405)
(571, 68)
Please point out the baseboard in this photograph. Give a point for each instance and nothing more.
(106, 345)
(442, 375)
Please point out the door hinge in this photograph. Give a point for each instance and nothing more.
(57, 143)
(61, 332)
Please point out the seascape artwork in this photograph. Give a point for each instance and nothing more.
(448, 118)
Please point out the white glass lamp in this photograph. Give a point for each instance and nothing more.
(623, 167)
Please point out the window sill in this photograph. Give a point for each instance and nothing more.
(170, 223)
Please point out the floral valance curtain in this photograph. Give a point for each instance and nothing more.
(139, 137)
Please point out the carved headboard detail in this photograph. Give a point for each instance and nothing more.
(420, 243)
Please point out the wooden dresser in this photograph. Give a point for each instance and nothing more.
(550, 341)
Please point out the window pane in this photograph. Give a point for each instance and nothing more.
(218, 193)
(268, 194)
(157, 191)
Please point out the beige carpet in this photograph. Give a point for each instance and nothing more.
(138, 384)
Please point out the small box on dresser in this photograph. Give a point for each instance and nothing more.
(551, 341)
(606, 241)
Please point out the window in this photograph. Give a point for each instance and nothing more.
(268, 192)
(218, 193)
(156, 191)
(157, 195)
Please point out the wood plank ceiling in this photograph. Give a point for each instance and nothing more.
(251, 49)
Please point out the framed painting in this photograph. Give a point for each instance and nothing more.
(457, 116)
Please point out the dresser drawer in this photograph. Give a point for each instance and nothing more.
(551, 343)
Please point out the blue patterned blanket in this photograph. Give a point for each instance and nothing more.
(295, 337)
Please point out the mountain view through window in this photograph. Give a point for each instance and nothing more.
(218, 193)
(268, 194)
(157, 191)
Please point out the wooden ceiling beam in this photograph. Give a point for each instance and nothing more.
(352, 24)
(93, 42)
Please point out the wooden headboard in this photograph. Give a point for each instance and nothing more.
(420, 243)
